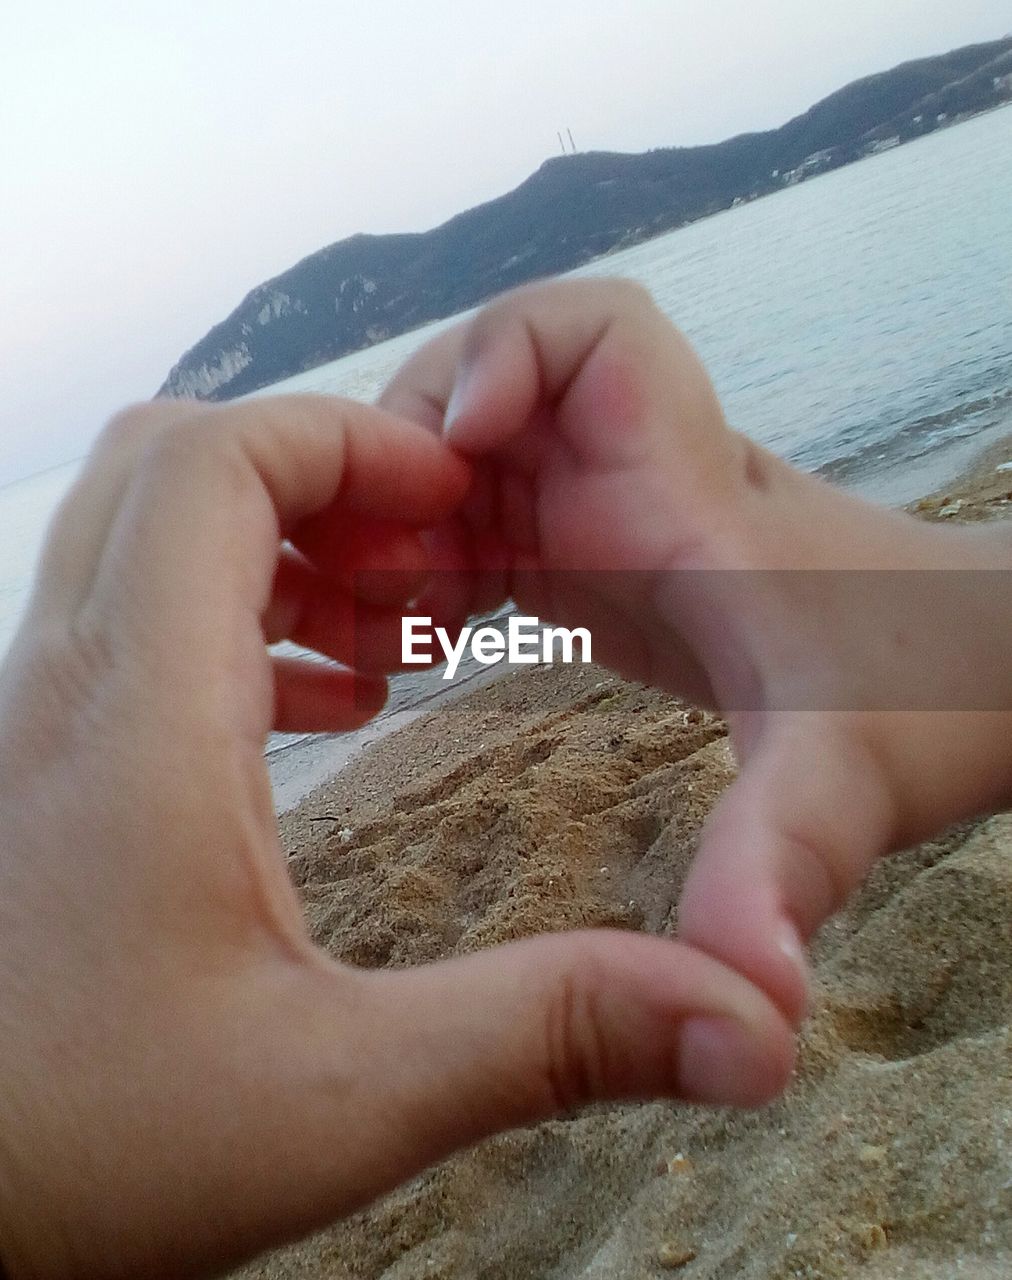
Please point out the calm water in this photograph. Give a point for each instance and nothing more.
(859, 324)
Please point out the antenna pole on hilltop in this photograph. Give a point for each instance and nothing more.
(571, 142)
(562, 144)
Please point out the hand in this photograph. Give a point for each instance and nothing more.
(868, 709)
(186, 1079)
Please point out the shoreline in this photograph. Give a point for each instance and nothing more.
(981, 491)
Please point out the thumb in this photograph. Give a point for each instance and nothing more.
(785, 848)
(472, 1046)
(287, 1093)
(338, 1084)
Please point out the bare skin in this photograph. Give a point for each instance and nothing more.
(868, 709)
(186, 1078)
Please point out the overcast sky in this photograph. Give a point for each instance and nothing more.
(160, 160)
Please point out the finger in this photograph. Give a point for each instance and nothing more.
(785, 848)
(587, 389)
(476, 555)
(559, 1022)
(79, 529)
(421, 388)
(194, 532)
(380, 561)
(599, 349)
(315, 613)
(616, 374)
(311, 697)
(453, 591)
(444, 1055)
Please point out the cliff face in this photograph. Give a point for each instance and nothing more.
(369, 288)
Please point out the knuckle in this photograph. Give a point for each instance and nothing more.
(165, 454)
(133, 428)
(179, 439)
(611, 293)
(123, 430)
(188, 445)
(492, 318)
(629, 294)
(617, 294)
(208, 453)
(606, 300)
(134, 425)
(825, 864)
(577, 1066)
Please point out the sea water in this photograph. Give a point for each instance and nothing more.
(859, 324)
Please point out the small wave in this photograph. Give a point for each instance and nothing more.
(914, 441)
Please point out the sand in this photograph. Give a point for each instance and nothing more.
(565, 797)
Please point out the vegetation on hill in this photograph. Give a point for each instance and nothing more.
(574, 208)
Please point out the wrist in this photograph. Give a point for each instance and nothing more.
(948, 742)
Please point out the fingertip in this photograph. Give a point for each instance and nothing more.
(771, 959)
(458, 405)
(370, 695)
(312, 697)
(681, 1024)
(792, 950)
(387, 570)
(735, 906)
(496, 385)
(399, 471)
(723, 1063)
(732, 1045)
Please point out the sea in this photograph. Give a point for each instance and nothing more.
(858, 324)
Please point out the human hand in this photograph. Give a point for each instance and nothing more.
(186, 1079)
(868, 709)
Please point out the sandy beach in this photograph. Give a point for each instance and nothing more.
(564, 797)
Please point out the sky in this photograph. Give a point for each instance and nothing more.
(158, 161)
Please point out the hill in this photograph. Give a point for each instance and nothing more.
(574, 208)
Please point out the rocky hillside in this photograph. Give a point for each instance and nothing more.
(369, 288)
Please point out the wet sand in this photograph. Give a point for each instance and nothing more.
(565, 797)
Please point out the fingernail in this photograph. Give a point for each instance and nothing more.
(720, 1063)
(791, 946)
(458, 402)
